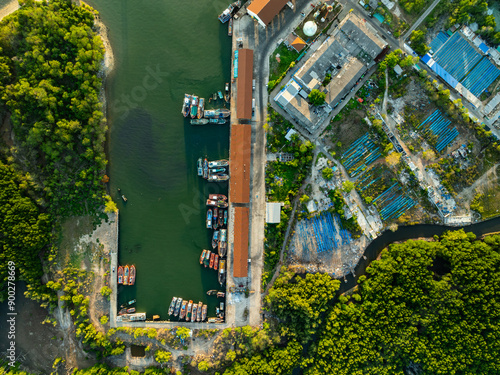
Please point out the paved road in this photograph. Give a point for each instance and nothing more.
(420, 19)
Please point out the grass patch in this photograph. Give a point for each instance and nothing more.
(286, 56)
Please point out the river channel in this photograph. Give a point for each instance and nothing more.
(162, 50)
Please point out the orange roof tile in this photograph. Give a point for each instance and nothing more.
(239, 163)
(244, 84)
(240, 246)
(266, 10)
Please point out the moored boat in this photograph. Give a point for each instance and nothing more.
(214, 218)
(205, 168)
(217, 170)
(193, 312)
(223, 243)
(171, 308)
(220, 94)
(204, 313)
(120, 275)
(219, 203)
(200, 167)
(209, 218)
(131, 278)
(182, 315)
(194, 106)
(178, 304)
(218, 177)
(199, 121)
(212, 292)
(212, 258)
(218, 163)
(137, 317)
(220, 294)
(189, 307)
(214, 96)
(219, 121)
(226, 14)
(222, 272)
(122, 311)
(186, 104)
(200, 307)
(131, 310)
(126, 272)
(227, 86)
(201, 107)
(206, 262)
(202, 256)
(221, 218)
(230, 27)
(215, 239)
(129, 303)
(225, 217)
(217, 197)
(216, 262)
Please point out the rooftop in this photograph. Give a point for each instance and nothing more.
(273, 212)
(266, 10)
(239, 166)
(240, 245)
(244, 84)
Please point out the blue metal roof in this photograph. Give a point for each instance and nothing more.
(483, 47)
(426, 58)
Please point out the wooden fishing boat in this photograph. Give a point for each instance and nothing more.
(131, 310)
(217, 197)
(189, 307)
(126, 271)
(221, 218)
(120, 275)
(204, 313)
(216, 262)
(202, 256)
(215, 216)
(220, 294)
(206, 262)
(129, 303)
(131, 278)
(212, 258)
(212, 292)
(172, 306)
(183, 309)
(193, 313)
(215, 239)
(209, 218)
(200, 307)
(178, 306)
(222, 272)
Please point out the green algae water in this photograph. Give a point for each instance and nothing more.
(163, 49)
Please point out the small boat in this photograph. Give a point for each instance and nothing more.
(218, 163)
(200, 167)
(219, 121)
(221, 218)
(124, 198)
(212, 258)
(200, 307)
(214, 320)
(220, 94)
(131, 317)
(156, 317)
(186, 104)
(226, 14)
(227, 84)
(209, 218)
(189, 307)
(227, 98)
(218, 177)
(193, 312)
(214, 218)
(172, 306)
(205, 168)
(215, 239)
(230, 27)
(178, 306)
(120, 275)
(222, 272)
(126, 271)
(131, 310)
(219, 203)
(214, 96)
(225, 217)
(217, 197)
(216, 262)
(194, 106)
(220, 294)
(206, 262)
(204, 313)
(183, 309)
(217, 170)
(199, 121)
(223, 243)
(202, 256)
(212, 292)
(131, 278)
(201, 107)
(129, 303)
(122, 311)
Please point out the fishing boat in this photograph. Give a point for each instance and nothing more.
(212, 292)
(214, 320)
(222, 112)
(220, 294)
(227, 86)
(126, 272)
(131, 278)
(222, 272)
(129, 303)
(204, 313)
(200, 167)
(194, 106)
(226, 14)
(199, 121)
(227, 98)
(215, 239)
(219, 203)
(178, 304)
(209, 218)
(131, 317)
(202, 256)
(221, 218)
(218, 121)
(218, 177)
(220, 94)
(205, 168)
(190, 306)
(206, 262)
(200, 307)
(186, 104)
(222, 243)
(201, 107)
(214, 96)
(124, 198)
(214, 218)
(218, 163)
(217, 170)
(182, 315)
(216, 262)
(131, 310)
(230, 27)
(225, 217)
(171, 308)
(212, 258)
(217, 197)
(193, 312)
(122, 311)
(120, 275)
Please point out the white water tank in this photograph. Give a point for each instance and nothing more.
(310, 28)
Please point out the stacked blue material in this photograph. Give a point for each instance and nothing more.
(326, 234)
(360, 155)
(439, 125)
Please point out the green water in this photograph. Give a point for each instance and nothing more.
(153, 150)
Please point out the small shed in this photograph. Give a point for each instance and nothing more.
(289, 135)
(273, 212)
(296, 42)
(398, 70)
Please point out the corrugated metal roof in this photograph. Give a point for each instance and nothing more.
(266, 10)
(244, 84)
(239, 163)
(240, 245)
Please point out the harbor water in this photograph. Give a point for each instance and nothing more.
(163, 49)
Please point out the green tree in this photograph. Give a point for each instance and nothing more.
(327, 173)
(183, 332)
(203, 366)
(417, 39)
(347, 186)
(106, 291)
(317, 97)
(162, 356)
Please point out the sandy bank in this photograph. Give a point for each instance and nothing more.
(11, 7)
